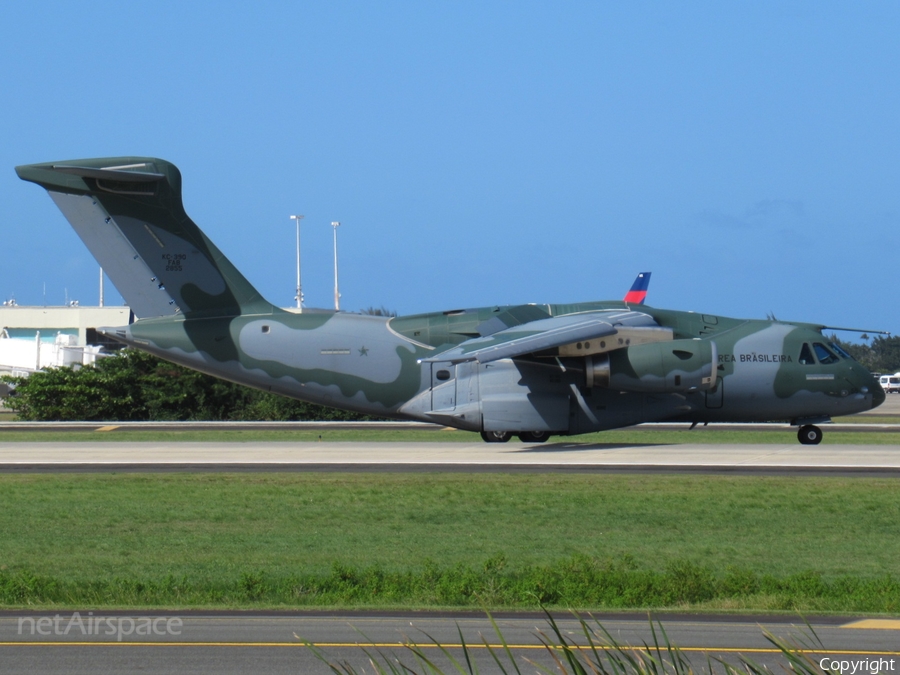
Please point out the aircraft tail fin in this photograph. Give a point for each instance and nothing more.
(638, 291)
(129, 213)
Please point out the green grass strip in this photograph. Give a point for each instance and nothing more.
(427, 540)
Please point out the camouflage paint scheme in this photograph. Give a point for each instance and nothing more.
(533, 369)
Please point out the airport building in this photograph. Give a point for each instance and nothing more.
(32, 338)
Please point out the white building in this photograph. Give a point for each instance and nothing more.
(32, 338)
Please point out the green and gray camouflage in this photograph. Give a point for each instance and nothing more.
(531, 370)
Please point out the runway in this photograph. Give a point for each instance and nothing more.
(273, 642)
(868, 460)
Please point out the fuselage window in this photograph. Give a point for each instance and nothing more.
(825, 357)
(806, 357)
(840, 352)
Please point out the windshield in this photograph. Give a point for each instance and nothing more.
(806, 357)
(837, 348)
(825, 357)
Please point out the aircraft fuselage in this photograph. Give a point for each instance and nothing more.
(374, 365)
(531, 370)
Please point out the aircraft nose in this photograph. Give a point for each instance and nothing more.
(878, 394)
(866, 384)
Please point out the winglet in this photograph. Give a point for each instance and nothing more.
(639, 289)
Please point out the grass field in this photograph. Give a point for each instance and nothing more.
(420, 540)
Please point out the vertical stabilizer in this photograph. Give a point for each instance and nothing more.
(129, 213)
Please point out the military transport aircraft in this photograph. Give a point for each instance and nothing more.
(526, 370)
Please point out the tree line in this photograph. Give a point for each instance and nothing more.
(879, 355)
(136, 386)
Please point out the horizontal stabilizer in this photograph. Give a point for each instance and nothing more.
(119, 173)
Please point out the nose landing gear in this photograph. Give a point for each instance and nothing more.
(809, 434)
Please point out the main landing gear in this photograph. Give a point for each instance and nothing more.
(495, 436)
(524, 436)
(809, 434)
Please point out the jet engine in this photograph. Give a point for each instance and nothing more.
(678, 366)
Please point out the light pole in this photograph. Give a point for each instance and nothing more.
(337, 296)
(299, 296)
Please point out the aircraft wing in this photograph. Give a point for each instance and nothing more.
(542, 334)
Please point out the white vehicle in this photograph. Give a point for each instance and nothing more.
(890, 383)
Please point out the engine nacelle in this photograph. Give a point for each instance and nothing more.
(678, 366)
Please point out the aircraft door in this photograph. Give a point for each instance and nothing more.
(443, 386)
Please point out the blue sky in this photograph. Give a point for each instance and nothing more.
(748, 154)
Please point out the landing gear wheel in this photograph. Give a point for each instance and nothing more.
(810, 434)
(534, 436)
(496, 436)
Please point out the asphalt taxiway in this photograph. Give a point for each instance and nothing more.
(275, 642)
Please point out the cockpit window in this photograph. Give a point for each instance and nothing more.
(825, 357)
(806, 357)
(840, 352)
